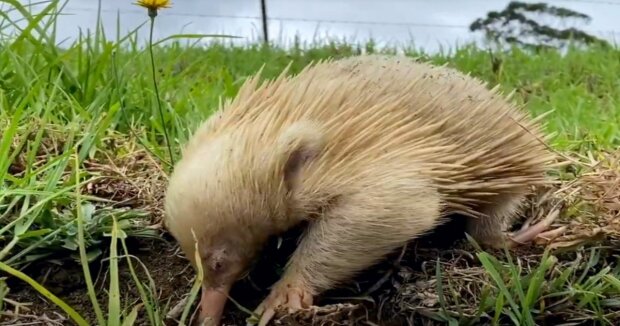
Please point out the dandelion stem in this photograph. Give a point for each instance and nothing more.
(161, 113)
(124, 113)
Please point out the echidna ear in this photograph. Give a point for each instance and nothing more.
(299, 144)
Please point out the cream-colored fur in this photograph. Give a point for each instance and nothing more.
(372, 150)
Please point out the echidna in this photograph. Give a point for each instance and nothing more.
(371, 150)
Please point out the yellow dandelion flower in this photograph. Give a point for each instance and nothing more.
(153, 5)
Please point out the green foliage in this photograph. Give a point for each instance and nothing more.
(62, 107)
(499, 26)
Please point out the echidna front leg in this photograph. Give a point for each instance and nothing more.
(360, 231)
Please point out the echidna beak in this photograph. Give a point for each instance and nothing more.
(212, 303)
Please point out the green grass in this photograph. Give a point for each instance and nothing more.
(61, 109)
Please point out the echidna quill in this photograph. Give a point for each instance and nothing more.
(372, 150)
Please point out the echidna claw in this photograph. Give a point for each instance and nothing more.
(532, 232)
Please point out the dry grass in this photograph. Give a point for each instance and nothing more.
(583, 240)
(132, 178)
(591, 205)
(66, 116)
(439, 286)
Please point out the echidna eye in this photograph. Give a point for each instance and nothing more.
(217, 266)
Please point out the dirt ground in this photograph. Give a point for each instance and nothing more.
(173, 278)
(167, 269)
(398, 291)
(401, 290)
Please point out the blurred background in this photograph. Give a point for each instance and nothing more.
(431, 25)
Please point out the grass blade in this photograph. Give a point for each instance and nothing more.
(83, 256)
(47, 294)
(114, 301)
(193, 36)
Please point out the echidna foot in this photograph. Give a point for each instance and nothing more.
(288, 296)
(532, 232)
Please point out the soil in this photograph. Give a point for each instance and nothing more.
(398, 291)
(169, 271)
(173, 278)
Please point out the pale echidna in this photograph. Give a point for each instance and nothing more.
(372, 150)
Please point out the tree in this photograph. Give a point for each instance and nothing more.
(514, 26)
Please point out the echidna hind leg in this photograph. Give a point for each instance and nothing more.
(491, 230)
